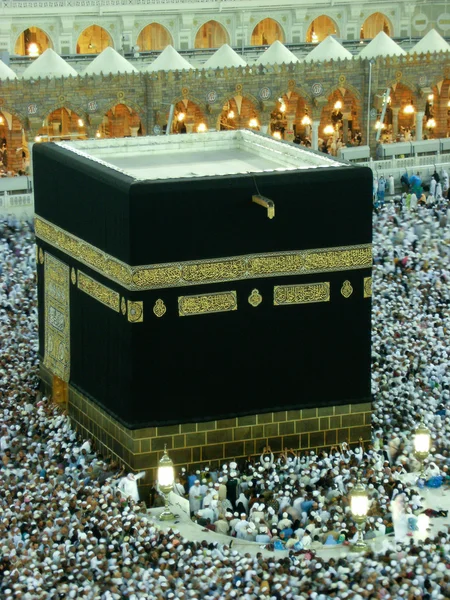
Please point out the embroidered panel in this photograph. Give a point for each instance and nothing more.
(57, 317)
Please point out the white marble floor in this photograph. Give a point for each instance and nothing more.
(433, 498)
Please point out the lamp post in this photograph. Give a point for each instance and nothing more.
(165, 481)
(359, 506)
(422, 444)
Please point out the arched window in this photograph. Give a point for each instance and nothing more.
(211, 35)
(321, 28)
(154, 37)
(93, 40)
(266, 32)
(32, 42)
(62, 124)
(374, 24)
(120, 121)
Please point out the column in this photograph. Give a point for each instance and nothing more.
(315, 135)
(56, 130)
(264, 122)
(92, 125)
(289, 133)
(346, 117)
(395, 112)
(419, 124)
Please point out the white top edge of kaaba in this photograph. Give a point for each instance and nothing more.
(199, 155)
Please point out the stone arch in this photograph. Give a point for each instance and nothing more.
(188, 116)
(93, 40)
(13, 139)
(402, 93)
(211, 34)
(266, 32)
(237, 113)
(32, 35)
(154, 36)
(320, 28)
(375, 23)
(62, 123)
(342, 114)
(120, 120)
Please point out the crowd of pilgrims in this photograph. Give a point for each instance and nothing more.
(71, 528)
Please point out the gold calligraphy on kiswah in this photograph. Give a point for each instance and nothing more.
(217, 270)
(57, 317)
(301, 294)
(98, 291)
(202, 304)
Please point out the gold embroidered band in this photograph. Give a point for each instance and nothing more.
(57, 317)
(207, 303)
(237, 268)
(98, 291)
(301, 294)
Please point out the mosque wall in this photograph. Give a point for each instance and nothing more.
(150, 95)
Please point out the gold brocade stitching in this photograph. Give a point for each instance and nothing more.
(301, 294)
(255, 298)
(367, 287)
(135, 311)
(57, 317)
(253, 266)
(207, 303)
(159, 309)
(347, 289)
(99, 292)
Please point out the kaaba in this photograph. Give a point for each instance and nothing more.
(204, 278)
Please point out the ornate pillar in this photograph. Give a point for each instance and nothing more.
(346, 117)
(264, 122)
(315, 134)
(92, 124)
(395, 112)
(419, 124)
(56, 126)
(289, 133)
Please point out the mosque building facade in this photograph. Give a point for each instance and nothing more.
(289, 97)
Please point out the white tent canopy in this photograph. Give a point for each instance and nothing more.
(6, 72)
(328, 49)
(431, 42)
(276, 54)
(225, 56)
(109, 61)
(381, 45)
(50, 65)
(168, 60)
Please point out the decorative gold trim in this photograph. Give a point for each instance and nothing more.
(160, 308)
(301, 294)
(255, 298)
(346, 289)
(123, 306)
(57, 317)
(367, 287)
(202, 304)
(135, 311)
(98, 291)
(41, 256)
(73, 276)
(236, 268)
